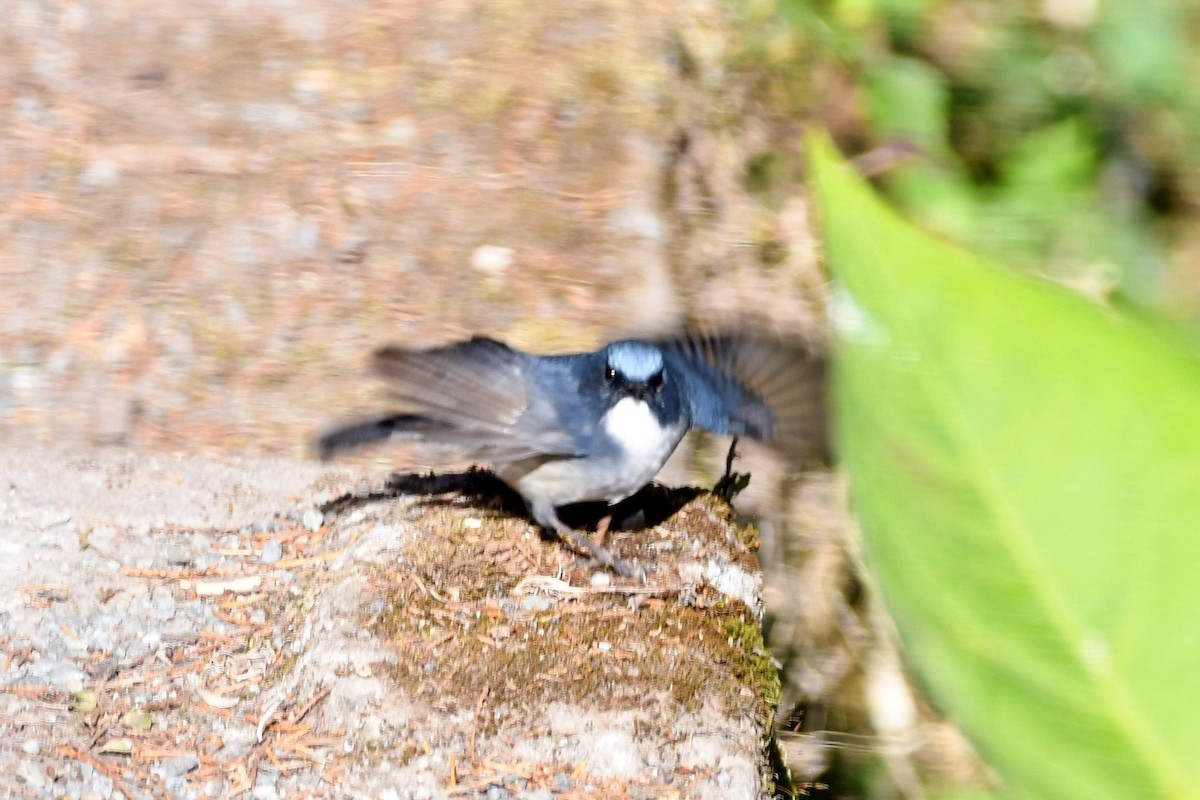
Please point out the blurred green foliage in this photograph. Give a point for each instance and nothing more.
(1061, 136)
(1027, 522)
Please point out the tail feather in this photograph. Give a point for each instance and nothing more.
(360, 434)
(476, 444)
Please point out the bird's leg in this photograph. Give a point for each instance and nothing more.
(547, 517)
(602, 528)
(731, 482)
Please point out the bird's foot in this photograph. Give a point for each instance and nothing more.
(603, 557)
(599, 555)
(731, 485)
(620, 567)
(626, 569)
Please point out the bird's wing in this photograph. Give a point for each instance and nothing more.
(479, 383)
(473, 395)
(745, 385)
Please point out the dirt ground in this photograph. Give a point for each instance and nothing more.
(210, 218)
(207, 218)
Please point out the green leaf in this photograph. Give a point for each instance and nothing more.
(1045, 202)
(909, 101)
(137, 720)
(1146, 47)
(84, 701)
(1024, 466)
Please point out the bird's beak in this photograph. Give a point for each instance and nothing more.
(638, 391)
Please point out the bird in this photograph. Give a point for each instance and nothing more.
(595, 426)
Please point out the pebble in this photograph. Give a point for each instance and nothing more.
(179, 765)
(66, 677)
(272, 551)
(162, 603)
(497, 792)
(613, 754)
(232, 751)
(265, 779)
(178, 556)
(313, 519)
(100, 174)
(31, 773)
(492, 259)
(534, 604)
(260, 526)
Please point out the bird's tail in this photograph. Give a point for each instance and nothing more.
(381, 429)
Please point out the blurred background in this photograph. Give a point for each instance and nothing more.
(209, 215)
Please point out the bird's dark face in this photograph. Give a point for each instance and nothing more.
(621, 385)
(636, 370)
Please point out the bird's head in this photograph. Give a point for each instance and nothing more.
(634, 369)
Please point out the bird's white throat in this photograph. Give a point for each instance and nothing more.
(635, 427)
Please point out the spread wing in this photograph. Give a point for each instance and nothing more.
(745, 385)
(474, 395)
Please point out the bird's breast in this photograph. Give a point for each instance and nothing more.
(638, 447)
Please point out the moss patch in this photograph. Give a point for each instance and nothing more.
(462, 626)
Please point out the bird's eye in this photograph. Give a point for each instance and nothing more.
(656, 381)
(610, 374)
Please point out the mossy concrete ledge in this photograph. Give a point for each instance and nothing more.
(196, 627)
(464, 652)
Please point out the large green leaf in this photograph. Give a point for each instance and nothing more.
(1025, 465)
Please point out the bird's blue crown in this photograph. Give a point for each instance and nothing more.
(636, 361)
